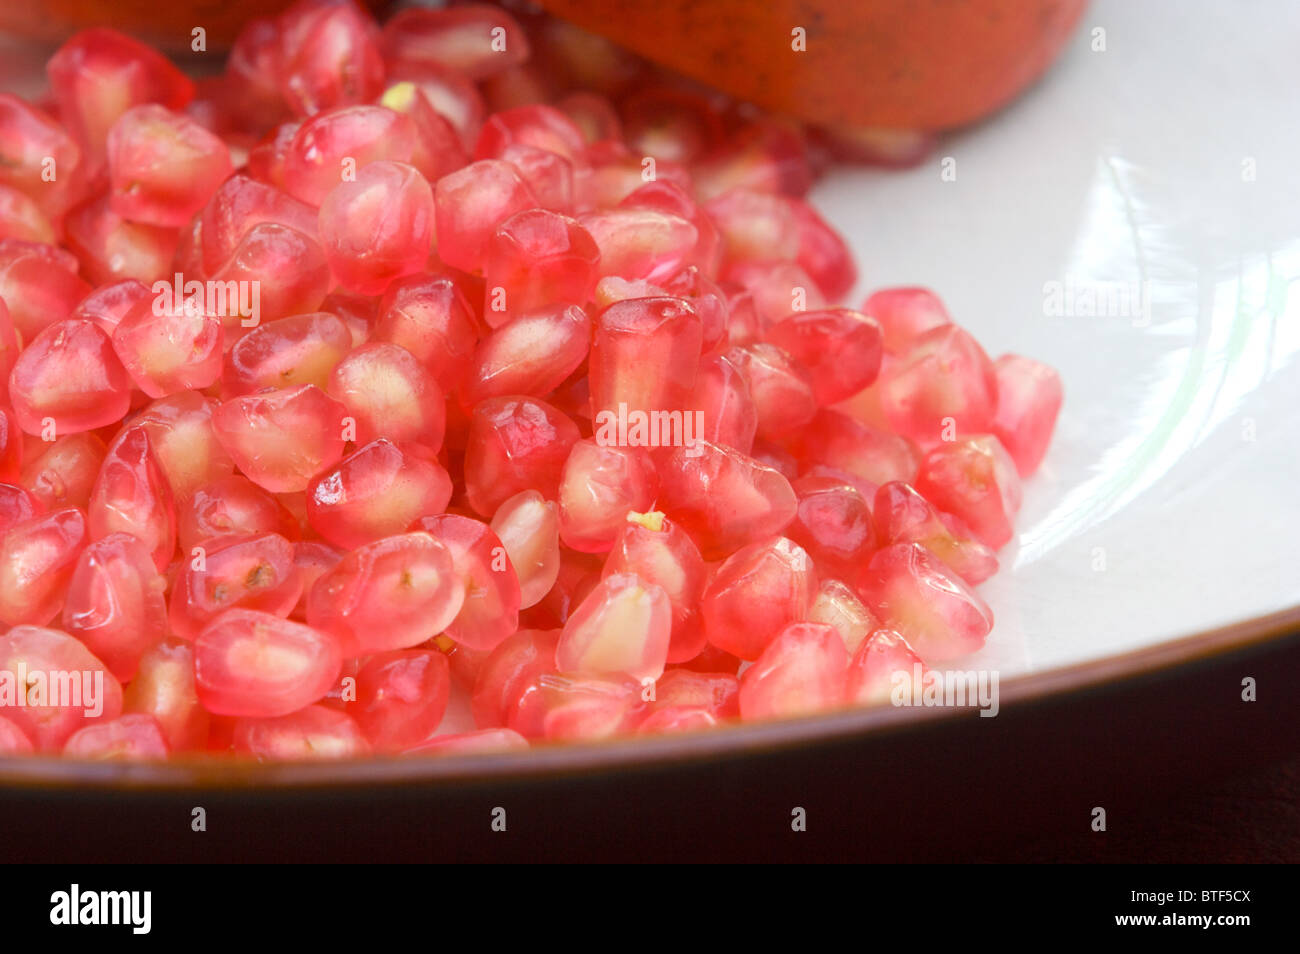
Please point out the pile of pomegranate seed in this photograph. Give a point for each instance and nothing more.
(462, 352)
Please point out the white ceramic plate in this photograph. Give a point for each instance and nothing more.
(1158, 178)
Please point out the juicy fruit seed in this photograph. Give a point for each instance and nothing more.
(469, 265)
(622, 626)
(394, 593)
(58, 670)
(257, 665)
(755, 593)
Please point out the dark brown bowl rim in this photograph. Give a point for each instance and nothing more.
(766, 738)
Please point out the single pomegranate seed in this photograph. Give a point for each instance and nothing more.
(601, 485)
(329, 56)
(563, 707)
(430, 316)
(777, 288)
(508, 672)
(282, 439)
(67, 380)
(659, 552)
(437, 150)
(65, 687)
(474, 40)
(131, 496)
(616, 173)
(723, 396)
(231, 506)
(641, 243)
(1029, 399)
(302, 349)
(883, 668)
(390, 394)
(872, 454)
(16, 506)
(677, 719)
(22, 218)
(915, 594)
(471, 204)
(755, 226)
(401, 697)
(833, 523)
(901, 515)
(316, 732)
(169, 350)
(714, 692)
(109, 304)
(135, 736)
(548, 175)
(37, 558)
(515, 443)
(358, 312)
(239, 204)
(723, 498)
(755, 593)
(802, 670)
(375, 492)
(64, 475)
(163, 687)
(39, 285)
(944, 385)
(257, 665)
(394, 593)
(110, 248)
(644, 357)
(532, 354)
(481, 563)
(29, 141)
(975, 479)
(837, 605)
(783, 395)
(452, 96)
(313, 560)
(162, 166)
(840, 349)
(184, 441)
(622, 626)
(247, 572)
(115, 603)
(529, 528)
(479, 742)
(536, 258)
(99, 74)
(377, 227)
(286, 266)
(905, 314)
(823, 253)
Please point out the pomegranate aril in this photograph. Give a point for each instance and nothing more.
(622, 626)
(302, 349)
(401, 697)
(284, 268)
(871, 454)
(515, 443)
(131, 496)
(313, 560)
(883, 669)
(13, 740)
(329, 57)
(723, 397)
(528, 526)
(231, 506)
(801, 671)
(593, 114)
(238, 205)
(777, 288)
(823, 253)
(394, 593)
(335, 144)
(39, 285)
(115, 603)
(64, 475)
(184, 441)
(16, 506)
(390, 394)
(534, 259)
(508, 672)
(838, 348)
(531, 354)
(163, 687)
(68, 379)
(783, 395)
(437, 149)
(767, 156)
(548, 175)
(1029, 399)
(481, 565)
(645, 356)
(941, 387)
(641, 243)
(600, 486)
(430, 316)
(378, 226)
(30, 143)
(99, 74)
(562, 707)
(316, 732)
(837, 605)
(377, 491)
(833, 523)
(974, 479)
(110, 248)
(134, 736)
(169, 350)
(479, 742)
(905, 314)
(677, 719)
(914, 593)
(37, 559)
(474, 40)
(65, 687)
(162, 166)
(723, 498)
(22, 218)
(901, 515)
(253, 664)
(754, 594)
(280, 440)
(755, 226)
(247, 573)
(471, 204)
